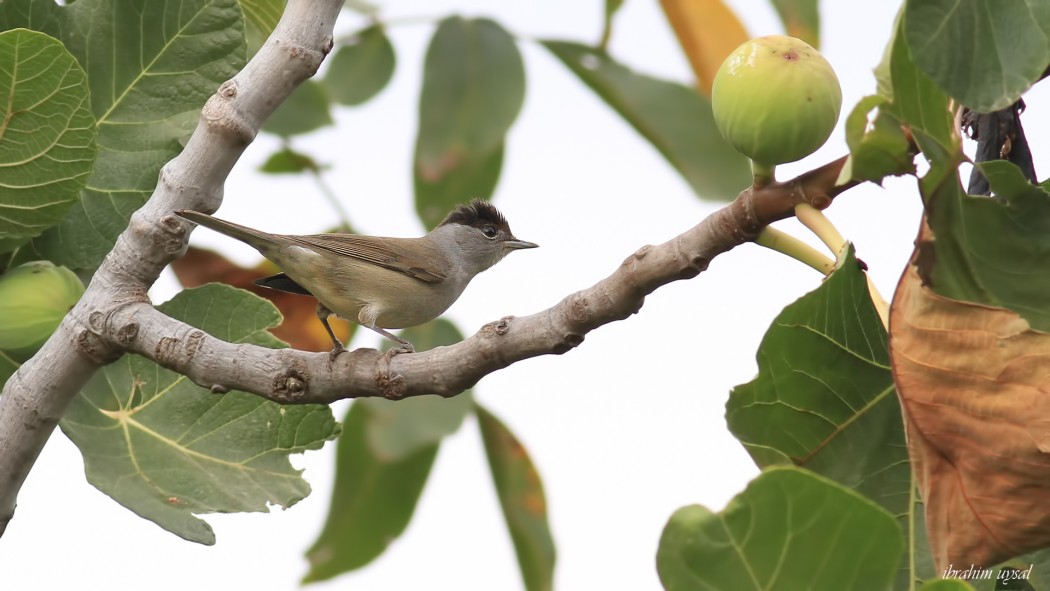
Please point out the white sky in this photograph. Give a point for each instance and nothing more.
(624, 429)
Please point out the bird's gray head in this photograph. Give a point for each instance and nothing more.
(482, 234)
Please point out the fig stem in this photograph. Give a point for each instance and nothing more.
(819, 224)
(881, 306)
(785, 243)
(762, 174)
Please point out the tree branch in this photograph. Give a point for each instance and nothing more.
(36, 396)
(288, 376)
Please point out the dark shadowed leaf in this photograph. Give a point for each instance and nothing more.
(305, 110)
(149, 77)
(170, 450)
(361, 68)
(984, 55)
(473, 88)
(372, 502)
(790, 529)
(673, 117)
(524, 504)
(47, 134)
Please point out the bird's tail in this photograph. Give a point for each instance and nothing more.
(260, 241)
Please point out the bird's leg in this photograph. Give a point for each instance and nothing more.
(322, 314)
(406, 347)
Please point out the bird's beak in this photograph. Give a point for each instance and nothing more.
(519, 244)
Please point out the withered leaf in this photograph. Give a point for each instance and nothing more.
(973, 382)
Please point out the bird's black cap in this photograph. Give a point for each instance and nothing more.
(477, 213)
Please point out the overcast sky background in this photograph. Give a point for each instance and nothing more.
(624, 430)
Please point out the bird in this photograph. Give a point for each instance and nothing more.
(378, 282)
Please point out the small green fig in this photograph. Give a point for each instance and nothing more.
(776, 100)
(34, 298)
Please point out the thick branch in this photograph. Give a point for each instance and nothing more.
(37, 395)
(291, 377)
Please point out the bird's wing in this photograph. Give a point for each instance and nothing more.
(282, 282)
(395, 254)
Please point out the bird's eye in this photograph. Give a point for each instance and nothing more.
(489, 231)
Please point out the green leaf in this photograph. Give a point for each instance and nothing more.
(400, 428)
(382, 464)
(918, 102)
(790, 529)
(260, 19)
(946, 585)
(476, 176)
(473, 89)
(521, 496)
(672, 117)
(985, 55)
(801, 19)
(611, 8)
(150, 67)
(305, 110)
(8, 367)
(360, 69)
(990, 252)
(169, 450)
(288, 161)
(877, 148)
(824, 397)
(372, 502)
(47, 138)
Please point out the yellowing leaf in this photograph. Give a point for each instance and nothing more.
(708, 31)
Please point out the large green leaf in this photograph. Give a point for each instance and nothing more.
(984, 54)
(992, 252)
(361, 68)
(400, 428)
(372, 502)
(674, 118)
(151, 65)
(801, 19)
(916, 100)
(790, 529)
(473, 89)
(260, 19)
(382, 463)
(169, 450)
(523, 501)
(47, 134)
(824, 399)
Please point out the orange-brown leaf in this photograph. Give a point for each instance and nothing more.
(300, 328)
(973, 381)
(708, 31)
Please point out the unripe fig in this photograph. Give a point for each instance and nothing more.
(776, 99)
(33, 300)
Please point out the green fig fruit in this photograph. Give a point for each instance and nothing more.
(34, 298)
(776, 99)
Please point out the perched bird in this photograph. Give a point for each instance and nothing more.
(379, 282)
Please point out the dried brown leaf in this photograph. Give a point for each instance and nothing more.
(973, 382)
